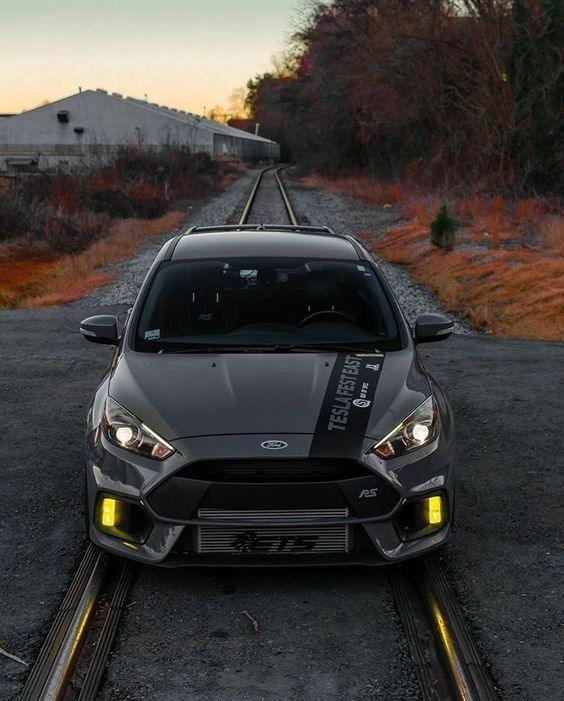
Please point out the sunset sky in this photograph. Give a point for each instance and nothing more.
(183, 53)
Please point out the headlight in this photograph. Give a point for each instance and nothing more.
(418, 429)
(127, 431)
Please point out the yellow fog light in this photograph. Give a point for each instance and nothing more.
(422, 516)
(109, 512)
(122, 519)
(434, 510)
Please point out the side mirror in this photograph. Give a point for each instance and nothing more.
(432, 327)
(100, 329)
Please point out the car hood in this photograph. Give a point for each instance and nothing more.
(188, 395)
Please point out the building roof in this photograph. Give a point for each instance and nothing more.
(180, 116)
(195, 120)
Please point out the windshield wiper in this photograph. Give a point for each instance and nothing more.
(269, 348)
(226, 348)
(333, 348)
(197, 348)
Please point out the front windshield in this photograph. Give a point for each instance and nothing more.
(265, 302)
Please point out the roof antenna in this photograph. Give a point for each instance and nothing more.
(260, 227)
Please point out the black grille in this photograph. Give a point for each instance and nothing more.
(267, 471)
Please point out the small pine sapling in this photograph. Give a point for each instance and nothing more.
(442, 229)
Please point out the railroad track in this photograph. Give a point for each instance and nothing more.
(73, 659)
(447, 661)
(277, 170)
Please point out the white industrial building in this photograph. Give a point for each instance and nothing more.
(93, 124)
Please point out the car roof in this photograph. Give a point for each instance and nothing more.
(263, 242)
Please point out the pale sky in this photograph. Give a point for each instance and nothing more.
(182, 53)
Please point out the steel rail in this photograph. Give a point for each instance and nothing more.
(285, 198)
(459, 647)
(64, 646)
(447, 662)
(58, 654)
(95, 674)
(252, 196)
(250, 200)
(432, 676)
(63, 664)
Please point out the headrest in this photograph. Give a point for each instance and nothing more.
(321, 287)
(206, 279)
(266, 277)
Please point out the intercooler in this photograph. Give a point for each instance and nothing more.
(273, 539)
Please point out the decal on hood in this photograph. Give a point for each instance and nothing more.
(345, 410)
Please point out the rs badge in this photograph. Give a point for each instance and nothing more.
(367, 493)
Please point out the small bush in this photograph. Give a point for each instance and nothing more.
(65, 212)
(148, 200)
(13, 219)
(442, 229)
(71, 233)
(529, 215)
(114, 203)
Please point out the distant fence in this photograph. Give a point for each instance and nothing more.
(14, 157)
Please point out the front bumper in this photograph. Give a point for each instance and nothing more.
(173, 503)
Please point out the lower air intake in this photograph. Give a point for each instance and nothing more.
(273, 540)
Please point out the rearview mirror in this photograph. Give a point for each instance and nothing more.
(100, 329)
(432, 327)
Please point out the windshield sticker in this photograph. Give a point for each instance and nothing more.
(152, 335)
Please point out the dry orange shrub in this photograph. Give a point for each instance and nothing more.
(40, 282)
(552, 234)
(515, 294)
(529, 214)
(421, 209)
(512, 286)
(372, 190)
(497, 212)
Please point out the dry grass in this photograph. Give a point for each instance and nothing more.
(516, 293)
(44, 281)
(506, 273)
(552, 234)
(382, 193)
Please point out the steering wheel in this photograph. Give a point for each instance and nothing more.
(324, 312)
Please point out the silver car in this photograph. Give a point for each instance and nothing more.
(266, 404)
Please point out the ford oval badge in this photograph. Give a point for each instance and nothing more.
(274, 445)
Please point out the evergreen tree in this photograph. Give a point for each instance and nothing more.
(442, 229)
